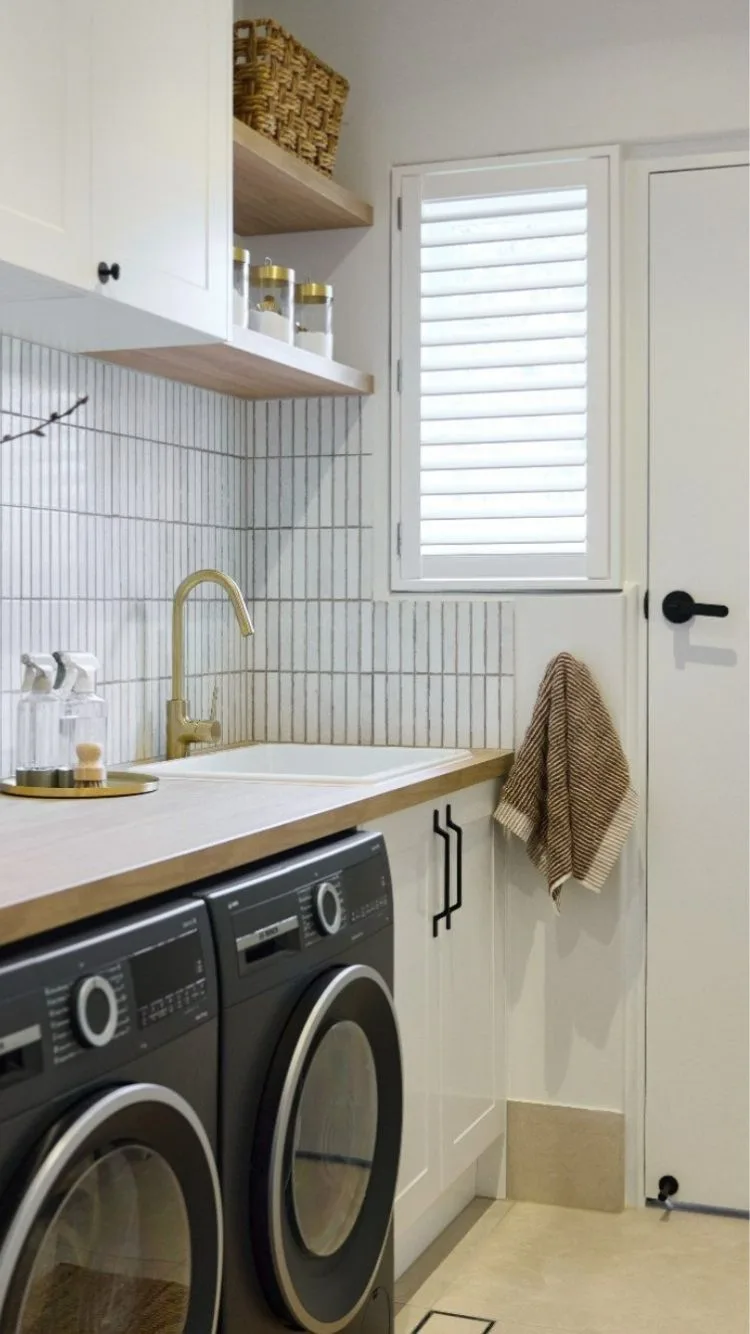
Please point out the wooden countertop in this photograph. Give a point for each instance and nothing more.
(64, 861)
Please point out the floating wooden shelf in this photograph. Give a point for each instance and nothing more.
(251, 366)
(275, 192)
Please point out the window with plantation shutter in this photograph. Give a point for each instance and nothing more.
(502, 383)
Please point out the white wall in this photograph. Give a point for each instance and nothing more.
(434, 80)
(567, 982)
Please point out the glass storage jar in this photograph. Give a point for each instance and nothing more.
(241, 294)
(272, 301)
(314, 318)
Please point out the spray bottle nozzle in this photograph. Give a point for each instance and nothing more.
(80, 671)
(39, 672)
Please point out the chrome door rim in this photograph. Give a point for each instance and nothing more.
(340, 981)
(64, 1151)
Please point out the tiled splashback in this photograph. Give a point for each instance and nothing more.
(100, 519)
(331, 664)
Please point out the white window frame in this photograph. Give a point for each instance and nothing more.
(599, 170)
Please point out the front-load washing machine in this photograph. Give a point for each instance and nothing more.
(110, 1208)
(310, 1090)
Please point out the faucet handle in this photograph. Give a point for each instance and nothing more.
(203, 731)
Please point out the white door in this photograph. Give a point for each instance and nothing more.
(417, 896)
(44, 145)
(162, 156)
(472, 1113)
(697, 998)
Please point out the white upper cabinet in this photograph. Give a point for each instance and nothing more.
(161, 155)
(45, 182)
(115, 149)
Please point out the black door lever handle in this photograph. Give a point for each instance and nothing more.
(680, 607)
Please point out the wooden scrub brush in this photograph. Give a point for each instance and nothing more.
(89, 772)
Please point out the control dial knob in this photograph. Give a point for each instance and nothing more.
(329, 907)
(95, 1011)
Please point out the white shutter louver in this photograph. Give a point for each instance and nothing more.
(509, 279)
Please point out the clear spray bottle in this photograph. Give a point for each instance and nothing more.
(38, 723)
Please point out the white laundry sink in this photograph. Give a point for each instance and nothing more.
(302, 763)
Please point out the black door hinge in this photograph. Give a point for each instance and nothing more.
(645, 604)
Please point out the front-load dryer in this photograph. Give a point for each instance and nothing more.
(110, 1209)
(310, 1091)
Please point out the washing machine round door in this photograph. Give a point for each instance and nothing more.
(116, 1223)
(326, 1156)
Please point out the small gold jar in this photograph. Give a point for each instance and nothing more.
(272, 301)
(314, 318)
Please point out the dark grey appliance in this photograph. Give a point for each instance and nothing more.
(110, 1207)
(310, 1091)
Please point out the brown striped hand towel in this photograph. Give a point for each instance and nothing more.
(568, 795)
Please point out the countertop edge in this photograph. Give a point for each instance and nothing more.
(66, 905)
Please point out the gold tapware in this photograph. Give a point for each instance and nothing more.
(182, 730)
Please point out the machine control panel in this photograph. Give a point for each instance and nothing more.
(329, 907)
(95, 1011)
(168, 978)
(88, 1010)
(367, 910)
(338, 892)
(102, 997)
(323, 909)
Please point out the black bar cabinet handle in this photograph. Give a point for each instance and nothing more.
(458, 831)
(446, 913)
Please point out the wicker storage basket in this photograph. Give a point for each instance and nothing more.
(284, 92)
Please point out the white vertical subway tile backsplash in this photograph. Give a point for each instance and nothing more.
(100, 519)
(410, 671)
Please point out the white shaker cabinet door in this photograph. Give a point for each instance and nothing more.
(161, 72)
(412, 855)
(470, 979)
(44, 146)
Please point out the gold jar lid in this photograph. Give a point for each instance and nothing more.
(313, 294)
(242, 256)
(271, 275)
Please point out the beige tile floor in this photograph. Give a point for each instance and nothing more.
(537, 1269)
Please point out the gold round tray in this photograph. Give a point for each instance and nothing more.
(125, 784)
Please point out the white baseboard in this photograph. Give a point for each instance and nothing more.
(413, 1241)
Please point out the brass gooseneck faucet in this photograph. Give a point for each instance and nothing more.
(182, 730)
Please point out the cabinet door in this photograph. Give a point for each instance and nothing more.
(162, 156)
(470, 1003)
(44, 145)
(411, 852)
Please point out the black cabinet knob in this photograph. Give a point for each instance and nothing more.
(679, 607)
(107, 271)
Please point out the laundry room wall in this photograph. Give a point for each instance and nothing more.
(100, 519)
(430, 82)
(103, 515)
(332, 662)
